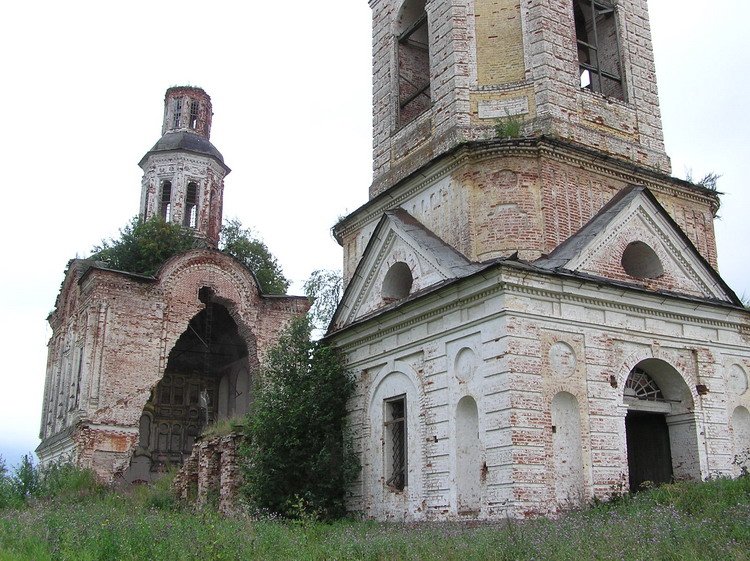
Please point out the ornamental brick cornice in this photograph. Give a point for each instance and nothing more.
(554, 149)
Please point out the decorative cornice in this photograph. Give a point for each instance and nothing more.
(555, 149)
(503, 285)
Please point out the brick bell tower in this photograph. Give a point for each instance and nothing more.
(503, 126)
(183, 174)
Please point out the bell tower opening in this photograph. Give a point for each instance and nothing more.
(413, 56)
(207, 379)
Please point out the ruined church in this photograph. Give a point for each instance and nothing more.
(532, 311)
(139, 365)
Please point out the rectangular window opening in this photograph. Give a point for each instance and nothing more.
(598, 44)
(166, 201)
(194, 115)
(396, 443)
(177, 113)
(413, 55)
(191, 206)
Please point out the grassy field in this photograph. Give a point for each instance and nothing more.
(684, 521)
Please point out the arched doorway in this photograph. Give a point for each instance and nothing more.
(207, 378)
(660, 426)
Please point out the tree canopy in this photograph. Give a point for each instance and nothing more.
(241, 243)
(298, 462)
(323, 289)
(144, 246)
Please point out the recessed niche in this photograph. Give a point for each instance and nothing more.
(397, 282)
(641, 262)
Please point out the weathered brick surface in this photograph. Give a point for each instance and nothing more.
(212, 474)
(494, 58)
(112, 335)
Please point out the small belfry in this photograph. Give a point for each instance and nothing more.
(532, 309)
(183, 174)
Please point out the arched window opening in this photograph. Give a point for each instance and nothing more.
(193, 115)
(641, 262)
(191, 206)
(598, 47)
(397, 283)
(640, 385)
(413, 56)
(166, 201)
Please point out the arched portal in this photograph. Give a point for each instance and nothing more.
(468, 456)
(207, 379)
(660, 426)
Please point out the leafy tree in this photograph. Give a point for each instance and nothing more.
(298, 463)
(145, 245)
(323, 289)
(241, 243)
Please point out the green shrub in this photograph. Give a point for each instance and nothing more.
(299, 466)
(67, 481)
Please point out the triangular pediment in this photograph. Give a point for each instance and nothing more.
(634, 240)
(402, 259)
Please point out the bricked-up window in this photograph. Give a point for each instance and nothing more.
(177, 113)
(598, 47)
(193, 115)
(191, 206)
(395, 443)
(166, 201)
(413, 55)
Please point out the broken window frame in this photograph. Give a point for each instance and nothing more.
(404, 39)
(190, 220)
(396, 442)
(177, 113)
(641, 386)
(593, 67)
(165, 206)
(193, 115)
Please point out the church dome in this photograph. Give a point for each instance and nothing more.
(184, 141)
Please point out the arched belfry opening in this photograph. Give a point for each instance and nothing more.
(660, 426)
(208, 378)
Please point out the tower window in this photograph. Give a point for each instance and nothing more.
(166, 201)
(191, 206)
(193, 115)
(598, 47)
(177, 113)
(395, 443)
(413, 51)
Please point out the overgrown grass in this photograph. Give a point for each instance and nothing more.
(684, 521)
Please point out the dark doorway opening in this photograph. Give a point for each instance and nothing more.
(649, 453)
(207, 378)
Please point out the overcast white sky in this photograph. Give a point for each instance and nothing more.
(81, 98)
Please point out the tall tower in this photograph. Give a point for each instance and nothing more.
(444, 72)
(504, 126)
(183, 174)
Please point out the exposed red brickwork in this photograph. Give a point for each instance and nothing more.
(110, 349)
(212, 473)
